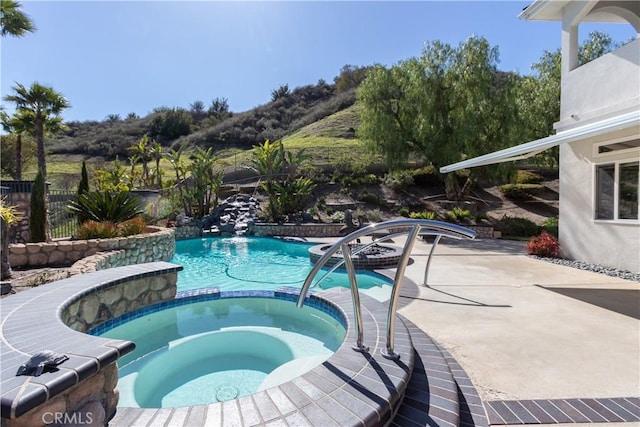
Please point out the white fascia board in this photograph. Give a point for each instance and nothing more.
(532, 148)
(543, 10)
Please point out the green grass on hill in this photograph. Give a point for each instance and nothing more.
(326, 141)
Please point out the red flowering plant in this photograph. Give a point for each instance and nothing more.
(544, 245)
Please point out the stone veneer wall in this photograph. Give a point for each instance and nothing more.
(118, 299)
(92, 401)
(187, 231)
(158, 245)
(19, 232)
(297, 230)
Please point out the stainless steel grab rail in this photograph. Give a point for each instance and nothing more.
(416, 227)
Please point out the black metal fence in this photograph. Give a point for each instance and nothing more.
(61, 222)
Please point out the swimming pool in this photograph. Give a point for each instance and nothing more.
(239, 263)
(220, 346)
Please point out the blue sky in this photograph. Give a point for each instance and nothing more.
(120, 57)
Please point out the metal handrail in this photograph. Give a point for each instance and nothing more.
(417, 227)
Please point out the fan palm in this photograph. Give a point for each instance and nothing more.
(46, 105)
(22, 122)
(13, 22)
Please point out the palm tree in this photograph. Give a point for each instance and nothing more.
(21, 122)
(12, 21)
(46, 105)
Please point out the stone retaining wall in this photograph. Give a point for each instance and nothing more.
(157, 245)
(297, 230)
(187, 231)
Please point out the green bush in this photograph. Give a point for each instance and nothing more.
(374, 215)
(517, 227)
(520, 191)
(528, 177)
(458, 215)
(423, 215)
(550, 225)
(99, 206)
(404, 212)
(370, 198)
(426, 175)
(398, 180)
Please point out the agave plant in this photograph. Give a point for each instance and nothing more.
(116, 207)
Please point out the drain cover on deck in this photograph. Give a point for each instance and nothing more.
(226, 392)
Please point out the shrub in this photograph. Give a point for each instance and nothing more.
(426, 175)
(117, 206)
(544, 245)
(370, 198)
(550, 225)
(404, 212)
(131, 227)
(527, 177)
(398, 180)
(423, 215)
(97, 230)
(520, 191)
(337, 217)
(458, 215)
(517, 227)
(374, 215)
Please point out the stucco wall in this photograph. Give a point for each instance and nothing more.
(589, 91)
(583, 238)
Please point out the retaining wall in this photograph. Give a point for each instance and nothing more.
(157, 245)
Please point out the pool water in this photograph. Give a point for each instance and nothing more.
(215, 350)
(240, 263)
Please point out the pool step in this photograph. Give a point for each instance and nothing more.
(439, 391)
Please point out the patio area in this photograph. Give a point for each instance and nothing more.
(542, 343)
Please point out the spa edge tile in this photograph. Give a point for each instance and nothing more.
(317, 417)
(267, 409)
(230, 413)
(308, 388)
(213, 415)
(339, 413)
(248, 412)
(293, 393)
(281, 400)
(19, 400)
(297, 419)
(368, 414)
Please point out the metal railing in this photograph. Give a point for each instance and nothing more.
(415, 227)
(62, 223)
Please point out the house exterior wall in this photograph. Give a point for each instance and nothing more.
(582, 237)
(601, 87)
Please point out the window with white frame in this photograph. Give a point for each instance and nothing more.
(617, 191)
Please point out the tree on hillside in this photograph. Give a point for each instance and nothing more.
(538, 98)
(449, 104)
(21, 123)
(13, 22)
(281, 92)
(170, 123)
(46, 105)
(350, 77)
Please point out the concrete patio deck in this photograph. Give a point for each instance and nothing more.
(526, 329)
